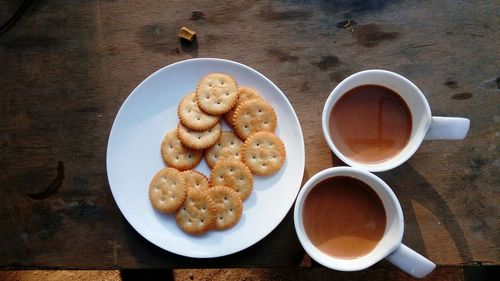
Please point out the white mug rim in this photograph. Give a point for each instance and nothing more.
(369, 259)
(413, 143)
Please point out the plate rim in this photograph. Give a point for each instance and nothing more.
(194, 60)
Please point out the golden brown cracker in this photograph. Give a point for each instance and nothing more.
(253, 116)
(264, 153)
(198, 139)
(217, 93)
(197, 214)
(167, 190)
(176, 155)
(244, 94)
(195, 180)
(229, 206)
(233, 174)
(228, 145)
(191, 116)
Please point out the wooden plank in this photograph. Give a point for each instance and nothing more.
(66, 67)
(442, 273)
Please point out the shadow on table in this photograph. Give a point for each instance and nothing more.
(413, 187)
(190, 47)
(409, 185)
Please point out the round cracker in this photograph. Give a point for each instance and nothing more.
(228, 145)
(253, 116)
(228, 204)
(217, 93)
(197, 214)
(264, 153)
(244, 94)
(233, 174)
(191, 116)
(198, 139)
(195, 180)
(176, 155)
(167, 190)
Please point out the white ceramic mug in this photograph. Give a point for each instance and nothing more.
(389, 247)
(424, 125)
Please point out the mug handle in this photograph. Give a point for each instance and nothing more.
(447, 128)
(411, 262)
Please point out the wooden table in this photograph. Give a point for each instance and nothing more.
(66, 67)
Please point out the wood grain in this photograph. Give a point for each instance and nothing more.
(66, 67)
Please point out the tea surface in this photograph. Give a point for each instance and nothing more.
(343, 217)
(370, 124)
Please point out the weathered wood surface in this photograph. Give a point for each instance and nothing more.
(66, 67)
(442, 273)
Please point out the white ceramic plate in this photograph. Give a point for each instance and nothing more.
(133, 157)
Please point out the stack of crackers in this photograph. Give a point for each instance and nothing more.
(200, 203)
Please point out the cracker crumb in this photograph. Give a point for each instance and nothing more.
(187, 34)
